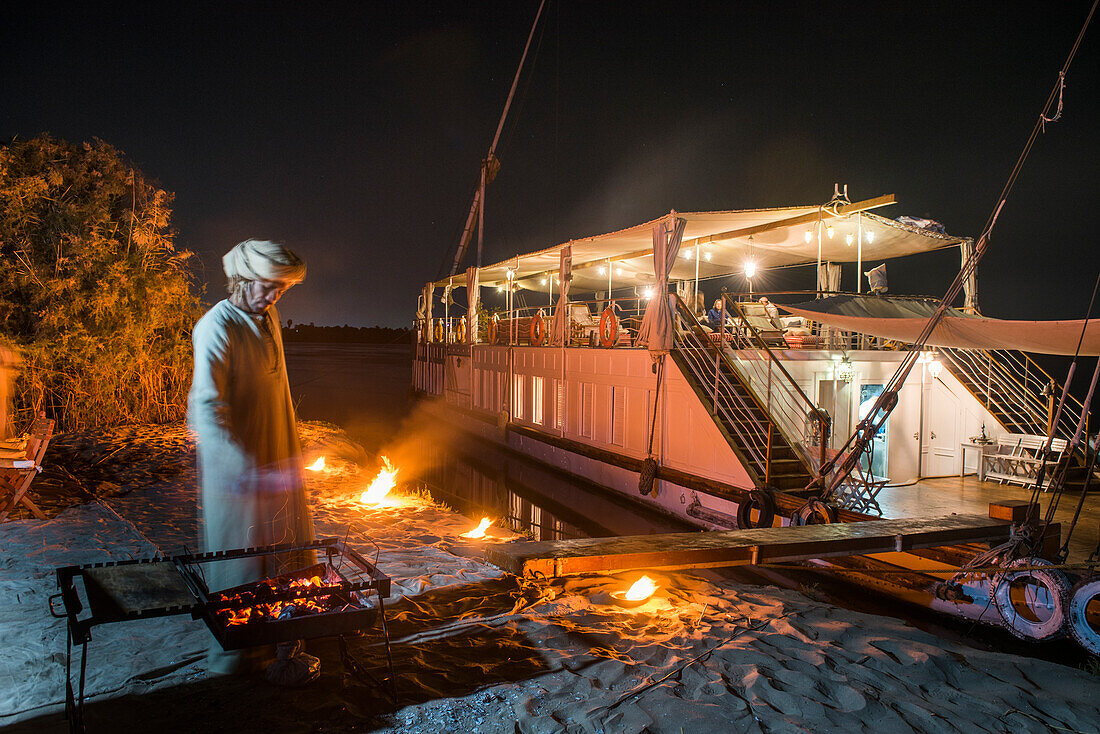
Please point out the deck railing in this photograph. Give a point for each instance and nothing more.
(1012, 386)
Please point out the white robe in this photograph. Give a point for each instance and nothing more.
(249, 458)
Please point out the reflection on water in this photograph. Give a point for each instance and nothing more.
(479, 479)
(364, 389)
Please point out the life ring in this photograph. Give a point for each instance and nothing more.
(460, 332)
(1085, 594)
(763, 502)
(609, 328)
(439, 330)
(537, 331)
(815, 512)
(493, 330)
(1032, 603)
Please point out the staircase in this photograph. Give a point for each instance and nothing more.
(1022, 397)
(753, 432)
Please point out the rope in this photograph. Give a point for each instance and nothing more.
(886, 401)
(648, 473)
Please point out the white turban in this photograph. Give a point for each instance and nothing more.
(263, 260)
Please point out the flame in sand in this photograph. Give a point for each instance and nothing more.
(381, 485)
(643, 588)
(479, 531)
(318, 465)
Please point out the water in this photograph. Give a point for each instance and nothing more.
(364, 389)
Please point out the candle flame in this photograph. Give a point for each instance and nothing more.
(479, 531)
(643, 588)
(381, 485)
(318, 465)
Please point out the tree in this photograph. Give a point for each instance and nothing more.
(93, 290)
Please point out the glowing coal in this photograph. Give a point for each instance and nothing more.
(479, 531)
(318, 465)
(382, 484)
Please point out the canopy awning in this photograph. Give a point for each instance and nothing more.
(776, 237)
(903, 320)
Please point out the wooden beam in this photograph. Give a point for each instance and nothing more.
(842, 210)
(672, 551)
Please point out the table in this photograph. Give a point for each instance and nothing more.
(980, 447)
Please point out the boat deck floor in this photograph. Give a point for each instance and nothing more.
(969, 496)
(740, 547)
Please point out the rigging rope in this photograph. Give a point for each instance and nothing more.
(887, 400)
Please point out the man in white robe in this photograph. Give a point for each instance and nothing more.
(249, 458)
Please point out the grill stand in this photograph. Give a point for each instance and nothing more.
(119, 591)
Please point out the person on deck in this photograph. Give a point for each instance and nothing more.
(249, 459)
(714, 315)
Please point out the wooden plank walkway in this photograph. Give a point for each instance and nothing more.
(741, 547)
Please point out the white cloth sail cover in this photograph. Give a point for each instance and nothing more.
(903, 320)
(472, 297)
(560, 326)
(657, 328)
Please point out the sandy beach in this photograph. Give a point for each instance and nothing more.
(477, 650)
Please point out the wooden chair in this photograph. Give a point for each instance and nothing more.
(16, 474)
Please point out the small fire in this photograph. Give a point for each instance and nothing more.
(318, 465)
(479, 531)
(643, 588)
(381, 485)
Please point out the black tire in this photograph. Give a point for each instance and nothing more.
(1085, 592)
(763, 502)
(815, 512)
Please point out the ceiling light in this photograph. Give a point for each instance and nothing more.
(706, 255)
(544, 281)
(601, 270)
(848, 238)
(830, 231)
(750, 269)
(809, 236)
(869, 236)
(618, 271)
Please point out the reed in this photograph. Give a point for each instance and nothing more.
(94, 293)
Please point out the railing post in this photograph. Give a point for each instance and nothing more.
(768, 457)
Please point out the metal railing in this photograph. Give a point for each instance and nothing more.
(1012, 385)
(517, 326)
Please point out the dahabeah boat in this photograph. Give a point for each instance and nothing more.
(600, 357)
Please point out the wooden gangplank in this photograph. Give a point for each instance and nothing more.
(741, 547)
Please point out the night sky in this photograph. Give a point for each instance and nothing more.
(353, 131)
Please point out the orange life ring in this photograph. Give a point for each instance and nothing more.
(493, 330)
(537, 331)
(460, 332)
(439, 330)
(609, 328)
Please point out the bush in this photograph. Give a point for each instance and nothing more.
(93, 291)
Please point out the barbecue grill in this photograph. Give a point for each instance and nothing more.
(341, 594)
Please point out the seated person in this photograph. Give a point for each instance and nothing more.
(770, 309)
(714, 315)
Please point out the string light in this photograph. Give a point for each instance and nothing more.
(848, 239)
(869, 236)
(809, 236)
(706, 256)
(601, 270)
(618, 272)
(830, 231)
(544, 281)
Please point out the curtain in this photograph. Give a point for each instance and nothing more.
(657, 327)
(828, 278)
(970, 285)
(473, 295)
(559, 329)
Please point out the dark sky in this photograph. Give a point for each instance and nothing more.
(353, 131)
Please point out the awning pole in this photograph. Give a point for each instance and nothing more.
(859, 254)
(819, 251)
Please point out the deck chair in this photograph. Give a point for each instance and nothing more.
(20, 463)
(581, 323)
(769, 330)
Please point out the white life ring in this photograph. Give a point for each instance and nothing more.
(1032, 603)
(1085, 594)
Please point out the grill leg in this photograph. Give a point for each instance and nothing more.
(389, 656)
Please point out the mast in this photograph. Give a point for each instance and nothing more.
(489, 167)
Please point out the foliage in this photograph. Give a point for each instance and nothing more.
(93, 291)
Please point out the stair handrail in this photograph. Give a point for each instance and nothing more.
(808, 405)
(759, 454)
